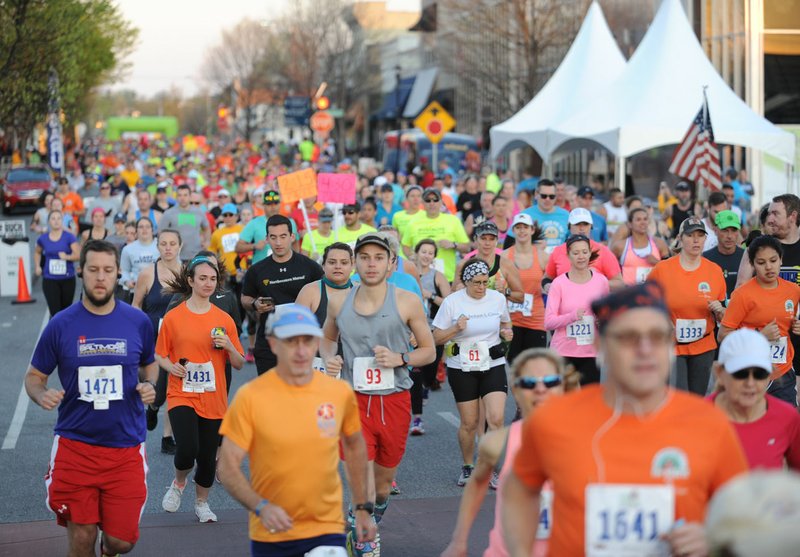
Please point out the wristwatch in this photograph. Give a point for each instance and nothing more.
(508, 292)
(369, 507)
(404, 355)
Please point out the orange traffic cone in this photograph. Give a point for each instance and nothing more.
(23, 296)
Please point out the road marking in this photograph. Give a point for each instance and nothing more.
(10, 441)
(450, 418)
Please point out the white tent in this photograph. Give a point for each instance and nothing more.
(592, 61)
(660, 91)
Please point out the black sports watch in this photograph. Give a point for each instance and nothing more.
(369, 507)
(404, 355)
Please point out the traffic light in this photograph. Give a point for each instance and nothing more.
(323, 103)
(222, 112)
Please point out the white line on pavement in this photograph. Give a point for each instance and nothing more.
(10, 441)
(450, 418)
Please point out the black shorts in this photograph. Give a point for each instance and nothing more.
(471, 385)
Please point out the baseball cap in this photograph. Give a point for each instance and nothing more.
(486, 227)
(161, 172)
(744, 348)
(162, 186)
(431, 191)
(372, 238)
(325, 215)
(380, 181)
(682, 186)
(272, 196)
(585, 190)
(690, 225)
(580, 215)
(230, 208)
(727, 219)
(119, 217)
(356, 206)
(292, 320)
(223, 192)
(522, 218)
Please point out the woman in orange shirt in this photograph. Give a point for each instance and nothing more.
(694, 289)
(768, 304)
(193, 346)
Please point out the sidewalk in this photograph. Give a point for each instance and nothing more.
(412, 528)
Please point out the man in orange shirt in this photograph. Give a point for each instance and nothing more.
(633, 463)
(295, 494)
(73, 203)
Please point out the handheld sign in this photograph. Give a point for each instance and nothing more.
(336, 188)
(297, 185)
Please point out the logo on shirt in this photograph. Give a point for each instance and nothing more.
(704, 287)
(326, 419)
(282, 270)
(789, 306)
(102, 346)
(265, 282)
(670, 463)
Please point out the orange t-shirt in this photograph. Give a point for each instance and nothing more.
(73, 204)
(687, 295)
(752, 306)
(687, 437)
(291, 434)
(185, 334)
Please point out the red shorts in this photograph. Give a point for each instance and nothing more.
(384, 424)
(89, 484)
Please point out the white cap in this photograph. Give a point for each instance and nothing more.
(580, 215)
(379, 181)
(743, 349)
(522, 218)
(161, 172)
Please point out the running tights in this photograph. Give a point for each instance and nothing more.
(58, 293)
(423, 377)
(196, 440)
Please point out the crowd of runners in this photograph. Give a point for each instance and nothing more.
(669, 325)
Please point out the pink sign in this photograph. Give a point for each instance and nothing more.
(336, 188)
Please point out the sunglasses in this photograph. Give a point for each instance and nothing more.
(228, 215)
(547, 196)
(194, 203)
(529, 383)
(631, 339)
(757, 373)
(431, 200)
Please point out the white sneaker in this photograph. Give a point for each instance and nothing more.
(204, 513)
(172, 498)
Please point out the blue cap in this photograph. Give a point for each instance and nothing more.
(230, 208)
(292, 320)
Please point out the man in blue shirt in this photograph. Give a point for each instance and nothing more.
(549, 218)
(584, 199)
(104, 352)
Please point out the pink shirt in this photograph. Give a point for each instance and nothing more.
(559, 262)
(563, 302)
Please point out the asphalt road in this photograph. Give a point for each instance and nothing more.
(426, 507)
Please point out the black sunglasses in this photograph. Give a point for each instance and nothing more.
(547, 195)
(431, 200)
(757, 373)
(529, 383)
(194, 203)
(228, 215)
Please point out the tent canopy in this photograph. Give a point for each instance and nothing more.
(593, 60)
(660, 91)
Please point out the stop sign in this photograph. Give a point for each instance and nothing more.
(322, 122)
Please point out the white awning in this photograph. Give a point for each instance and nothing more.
(420, 92)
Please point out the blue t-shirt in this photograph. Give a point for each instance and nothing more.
(55, 268)
(75, 338)
(382, 214)
(554, 225)
(599, 228)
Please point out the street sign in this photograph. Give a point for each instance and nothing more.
(322, 121)
(435, 122)
(296, 111)
(13, 230)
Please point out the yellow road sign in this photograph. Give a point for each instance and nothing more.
(435, 122)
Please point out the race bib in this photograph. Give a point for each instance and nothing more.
(474, 356)
(525, 307)
(545, 515)
(57, 267)
(199, 378)
(689, 330)
(642, 273)
(100, 385)
(369, 377)
(582, 330)
(229, 242)
(627, 520)
(438, 264)
(778, 351)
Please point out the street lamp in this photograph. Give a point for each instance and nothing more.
(397, 70)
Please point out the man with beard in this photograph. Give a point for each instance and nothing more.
(104, 352)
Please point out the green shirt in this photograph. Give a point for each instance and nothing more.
(444, 227)
(320, 242)
(350, 236)
(401, 219)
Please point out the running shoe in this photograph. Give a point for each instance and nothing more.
(395, 490)
(152, 417)
(417, 428)
(249, 358)
(203, 512)
(172, 498)
(168, 445)
(363, 549)
(466, 472)
(494, 482)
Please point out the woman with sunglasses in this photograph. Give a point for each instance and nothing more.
(768, 304)
(537, 374)
(471, 322)
(568, 312)
(768, 428)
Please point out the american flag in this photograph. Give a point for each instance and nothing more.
(697, 157)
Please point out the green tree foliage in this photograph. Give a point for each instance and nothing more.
(85, 41)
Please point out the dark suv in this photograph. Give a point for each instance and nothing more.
(23, 185)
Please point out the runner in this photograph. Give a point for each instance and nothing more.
(683, 208)
(224, 240)
(768, 428)
(98, 231)
(695, 290)
(102, 350)
(569, 314)
(375, 322)
(353, 227)
(53, 260)
(552, 220)
(503, 275)
(190, 220)
(640, 252)
(768, 304)
(614, 210)
(727, 253)
(275, 280)
(537, 375)
(401, 219)
(316, 241)
(254, 236)
(585, 198)
(193, 346)
(307, 515)
(613, 496)
(137, 256)
(472, 322)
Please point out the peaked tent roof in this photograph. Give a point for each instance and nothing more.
(655, 99)
(593, 59)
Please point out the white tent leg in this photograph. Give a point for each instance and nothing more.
(620, 166)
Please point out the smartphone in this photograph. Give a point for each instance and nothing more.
(183, 361)
(267, 300)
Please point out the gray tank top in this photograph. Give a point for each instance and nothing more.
(360, 333)
(428, 282)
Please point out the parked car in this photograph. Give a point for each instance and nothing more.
(23, 185)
